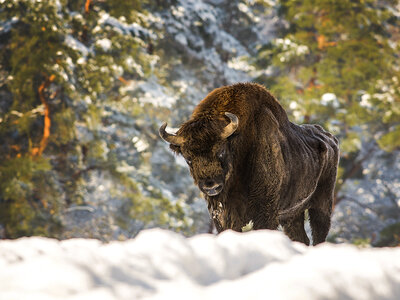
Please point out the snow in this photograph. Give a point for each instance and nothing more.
(74, 44)
(291, 49)
(6, 26)
(105, 44)
(160, 264)
(120, 26)
(330, 99)
(366, 101)
(140, 144)
(181, 39)
(153, 92)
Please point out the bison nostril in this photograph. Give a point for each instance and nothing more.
(211, 187)
(209, 183)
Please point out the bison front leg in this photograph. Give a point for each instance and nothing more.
(263, 214)
(294, 229)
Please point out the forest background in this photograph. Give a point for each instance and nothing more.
(84, 86)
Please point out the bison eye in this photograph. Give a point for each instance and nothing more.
(221, 155)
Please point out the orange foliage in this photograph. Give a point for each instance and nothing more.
(123, 80)
(322, 43)
(37, 151)
(87, 6)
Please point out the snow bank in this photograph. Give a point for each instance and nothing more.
(159, 264)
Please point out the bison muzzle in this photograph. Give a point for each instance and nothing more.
(254, 165)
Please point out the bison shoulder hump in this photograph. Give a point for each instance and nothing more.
(327, 134)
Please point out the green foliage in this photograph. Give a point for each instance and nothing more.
(351, 144)
(63, 132)
(26, 209)
(124, 8)
(362, 242)
(391, 140)
(159, 211)
(389, 236)
(152, 210)
(387, 104)
(161, 4)
(331, 47)
(17, 175)
(64, 64)
(30, 56)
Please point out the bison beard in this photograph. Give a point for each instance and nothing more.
(254, 165)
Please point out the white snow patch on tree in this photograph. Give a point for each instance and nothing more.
(151, 91)
(74, 44)
(330, 99)
(105, 44)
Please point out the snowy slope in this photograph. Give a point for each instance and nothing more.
(159, 264)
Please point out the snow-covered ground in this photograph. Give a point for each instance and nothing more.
(160, 264)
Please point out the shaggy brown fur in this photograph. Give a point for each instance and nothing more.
(268, 171)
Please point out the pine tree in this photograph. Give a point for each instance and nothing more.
(65, 69)
(34, 83)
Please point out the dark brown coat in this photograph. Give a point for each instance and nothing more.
(253, 164)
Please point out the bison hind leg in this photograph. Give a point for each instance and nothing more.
(321, 210)
(294, 229)
(320, 222)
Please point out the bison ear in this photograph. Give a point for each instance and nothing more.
(175, 149)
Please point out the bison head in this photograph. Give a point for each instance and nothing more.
(204, 144)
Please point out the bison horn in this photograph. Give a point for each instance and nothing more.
(170, 138)
(231, 127)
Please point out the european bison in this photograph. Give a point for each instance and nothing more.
(253, 164)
